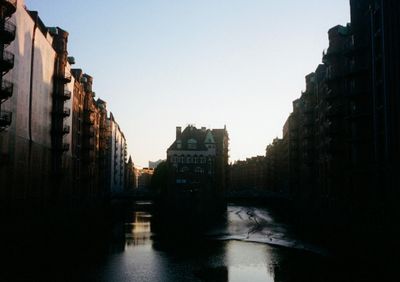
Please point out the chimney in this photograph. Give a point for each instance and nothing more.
(178, 132)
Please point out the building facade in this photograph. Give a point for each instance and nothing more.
(144, 176)
(248, 175)
(340, 149)
(117, 157)
(198, 161)
(55, 137)
(34, 142)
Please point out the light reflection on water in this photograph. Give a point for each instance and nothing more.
(130, 248)
(138, 231)
(147, 258)
(248, 262)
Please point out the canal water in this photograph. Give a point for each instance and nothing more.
(248, 244)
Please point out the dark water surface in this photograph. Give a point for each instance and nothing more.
(249, 244)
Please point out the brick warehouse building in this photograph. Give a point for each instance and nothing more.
(350, 114)
(54, 134)
(198, 162)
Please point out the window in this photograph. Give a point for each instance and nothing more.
(192, 144)
(184, 169)
(199, 170)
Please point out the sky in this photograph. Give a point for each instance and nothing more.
(166, 63)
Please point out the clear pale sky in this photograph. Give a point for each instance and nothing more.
(166, 63)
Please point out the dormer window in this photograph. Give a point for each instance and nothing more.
(179, 144)
(192, 144)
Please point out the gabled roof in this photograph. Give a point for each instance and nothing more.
(191, 132)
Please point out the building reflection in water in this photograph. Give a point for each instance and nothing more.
(138, 232)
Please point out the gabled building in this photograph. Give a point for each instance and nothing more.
(198, 161)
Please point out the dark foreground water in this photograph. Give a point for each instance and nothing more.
(248, 244)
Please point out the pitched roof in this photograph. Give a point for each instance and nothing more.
(191, 132)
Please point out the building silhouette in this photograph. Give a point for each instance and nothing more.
(198, 168)
(340, 151)
(248, 175)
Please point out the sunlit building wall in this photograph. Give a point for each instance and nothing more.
(27, 143)
(117, 157)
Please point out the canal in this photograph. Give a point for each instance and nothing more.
(248, 244)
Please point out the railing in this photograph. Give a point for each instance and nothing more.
(6, 90)
(6, 61)
(5, 118)
(7, 31)
(65, 78)
(67, 95)
(66, 112)
(66, 129)
(10, 5)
